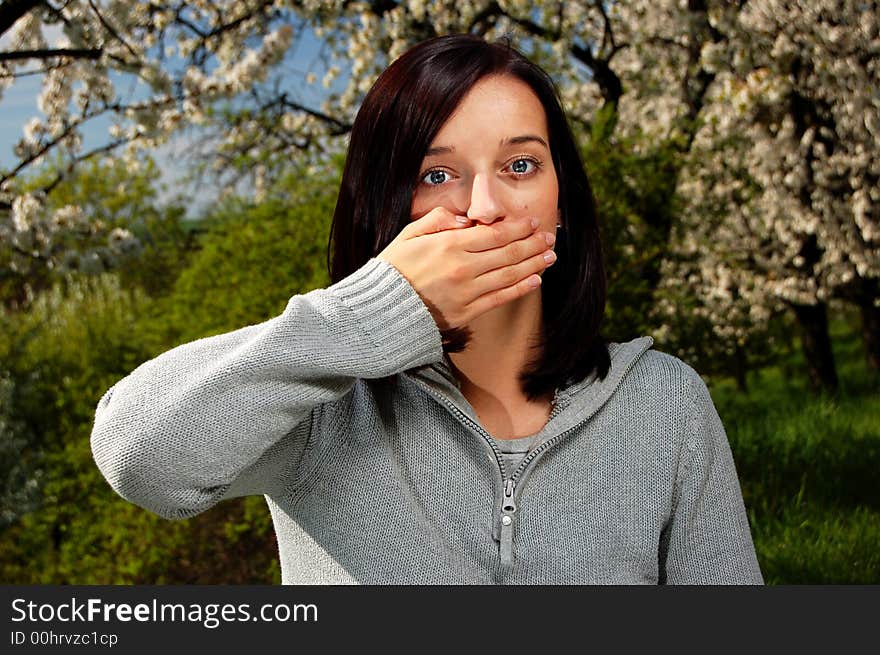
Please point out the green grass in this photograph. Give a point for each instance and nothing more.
(809, 466)
(808, 543)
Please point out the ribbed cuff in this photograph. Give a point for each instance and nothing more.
(392, 314)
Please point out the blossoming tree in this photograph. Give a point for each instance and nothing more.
(772, 105)
(781, 191)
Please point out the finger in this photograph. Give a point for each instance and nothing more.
(436, 220)
(513, 253)
(507, 276)
(498, 234)
(493, 299)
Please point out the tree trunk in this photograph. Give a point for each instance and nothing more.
(870, 322)
(816, 342)
(740, 368)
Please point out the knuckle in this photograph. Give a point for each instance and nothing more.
(447, 245)
(499, 237)
(518, 251)
(458, 272)
(509, 276)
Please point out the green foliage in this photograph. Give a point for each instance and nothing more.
(86, 333)
(77, 339)
(634, 190)
(108, 191)
(252, 259)
(20, 470)
(167, 243)
(75, 342)
(112, 195)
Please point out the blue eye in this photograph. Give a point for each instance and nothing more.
(434, 178)
(520, 166)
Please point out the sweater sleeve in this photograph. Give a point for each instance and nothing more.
(228, 415)
(707, 540)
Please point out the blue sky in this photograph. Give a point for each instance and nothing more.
(19, 103)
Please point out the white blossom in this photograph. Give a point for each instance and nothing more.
(776, 100)
(24, 210)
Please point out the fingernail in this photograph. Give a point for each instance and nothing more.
(550, 257)
(534, 281)
(534, 223)
(462, 219)
(549, 238)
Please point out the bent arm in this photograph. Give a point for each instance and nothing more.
(708, 540)
(228, 415)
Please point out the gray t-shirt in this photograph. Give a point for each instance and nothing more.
(514, 450)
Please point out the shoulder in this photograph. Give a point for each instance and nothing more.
(665, 385)
(663, 372)
(701, 426)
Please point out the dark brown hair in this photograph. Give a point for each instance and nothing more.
(399, 117)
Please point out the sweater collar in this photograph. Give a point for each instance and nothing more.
(574, 403)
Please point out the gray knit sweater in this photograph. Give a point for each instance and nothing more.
(342, 411)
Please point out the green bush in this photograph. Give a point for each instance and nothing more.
(88, 332)
(634, 191)
(250, 261)
(75, 341)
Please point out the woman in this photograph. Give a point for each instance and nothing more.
(446, 411)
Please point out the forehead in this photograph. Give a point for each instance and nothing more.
(498, 105)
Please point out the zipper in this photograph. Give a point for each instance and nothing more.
(508, 509)
(476, 426)
(508, 497)
(509, 485)
(553, 441)
(508, 504)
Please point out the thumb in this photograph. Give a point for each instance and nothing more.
(436, 220)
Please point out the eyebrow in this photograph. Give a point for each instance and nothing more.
(511, 141)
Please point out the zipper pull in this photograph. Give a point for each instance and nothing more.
(508, 509)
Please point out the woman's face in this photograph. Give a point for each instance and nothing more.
(491, 160)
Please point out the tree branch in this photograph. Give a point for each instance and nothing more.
(77, 53)
(339, 126)
(234, 23)
(75, 160)
(38, 71)
(607, 34)
(112, 31)
(608, 81)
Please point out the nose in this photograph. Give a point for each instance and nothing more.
(485, 206)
